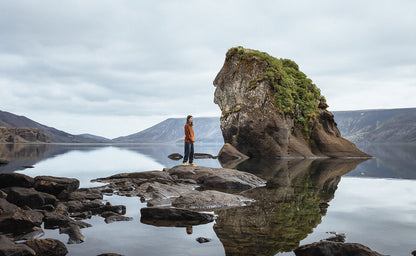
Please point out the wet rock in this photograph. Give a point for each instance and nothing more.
(414, 253)
(209, 199)
(203, 240)
(328, 248)
(47, 207)
(113, 217)
(58, 186)
(175, 214)
(15, 180)
(81, 215)
(175, 156)
(53, 220)
(47, 247)
(74, 233)
(29, 197)
(95, 207)
(9, 248)
(16, 220)
(35, 232)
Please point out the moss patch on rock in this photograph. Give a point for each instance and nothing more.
(294, 92)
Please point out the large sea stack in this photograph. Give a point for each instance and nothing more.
(271, 109)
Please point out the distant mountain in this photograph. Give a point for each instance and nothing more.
(94, 137)
(207, 130)
(11, 120)
(381, 125)
(363, 126)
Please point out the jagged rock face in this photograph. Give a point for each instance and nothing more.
(252, 122)
(22, 135)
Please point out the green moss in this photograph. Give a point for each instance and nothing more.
(295, 94)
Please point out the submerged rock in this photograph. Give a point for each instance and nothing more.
(203, 240)
(271, 109)
(175, 214)
(328, 248)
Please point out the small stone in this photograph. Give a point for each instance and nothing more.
(203, 240)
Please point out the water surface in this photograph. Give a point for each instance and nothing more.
(371, 202)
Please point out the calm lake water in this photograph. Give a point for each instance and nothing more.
(372, 202)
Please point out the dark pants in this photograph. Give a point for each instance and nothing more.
(189, 152)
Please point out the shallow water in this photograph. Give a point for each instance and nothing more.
(373, 202)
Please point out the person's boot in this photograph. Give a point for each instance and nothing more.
(192, 164)
(184, 163)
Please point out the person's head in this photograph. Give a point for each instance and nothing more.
(190, 120)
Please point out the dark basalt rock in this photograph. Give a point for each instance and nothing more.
(3, 161)
(175, 156)
(15, 220)
(328, 248)
(9, 248)
(58, 186)
(15, 180)
(47, 247)
(29, 197)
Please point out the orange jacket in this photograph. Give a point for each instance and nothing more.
(189, 134)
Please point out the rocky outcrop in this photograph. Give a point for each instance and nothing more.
(15, 180)
(22, 135)
(175, 214)
(271, 109)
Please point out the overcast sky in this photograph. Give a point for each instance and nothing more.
(113, 68)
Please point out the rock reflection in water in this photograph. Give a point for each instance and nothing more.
(286, 211)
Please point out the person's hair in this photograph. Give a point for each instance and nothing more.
(189, 122)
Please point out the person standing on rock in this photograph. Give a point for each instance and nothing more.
(189, 141)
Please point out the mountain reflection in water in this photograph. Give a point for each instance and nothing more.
(286, 210)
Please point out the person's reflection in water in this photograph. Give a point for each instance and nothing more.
(189, 230)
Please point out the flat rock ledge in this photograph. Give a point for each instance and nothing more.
(187, 188)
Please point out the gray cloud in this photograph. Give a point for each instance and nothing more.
(140, 60)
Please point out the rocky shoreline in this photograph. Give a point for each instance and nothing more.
(181, 196)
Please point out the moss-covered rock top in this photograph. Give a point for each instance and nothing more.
(295, 94)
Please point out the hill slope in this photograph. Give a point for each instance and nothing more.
(207, 130)
(382, 125)
(11, 120)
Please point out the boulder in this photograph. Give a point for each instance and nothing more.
(3, 194)
(16, 220)
(271, 109)
(85, 194)
(15, 180)
(47, 247)
(9, 248)
(113, 217)
(229, 153)
(58, 186)
(33, 233)
(29, 197)
(175, 214)
(329, 248)
(209, 199)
